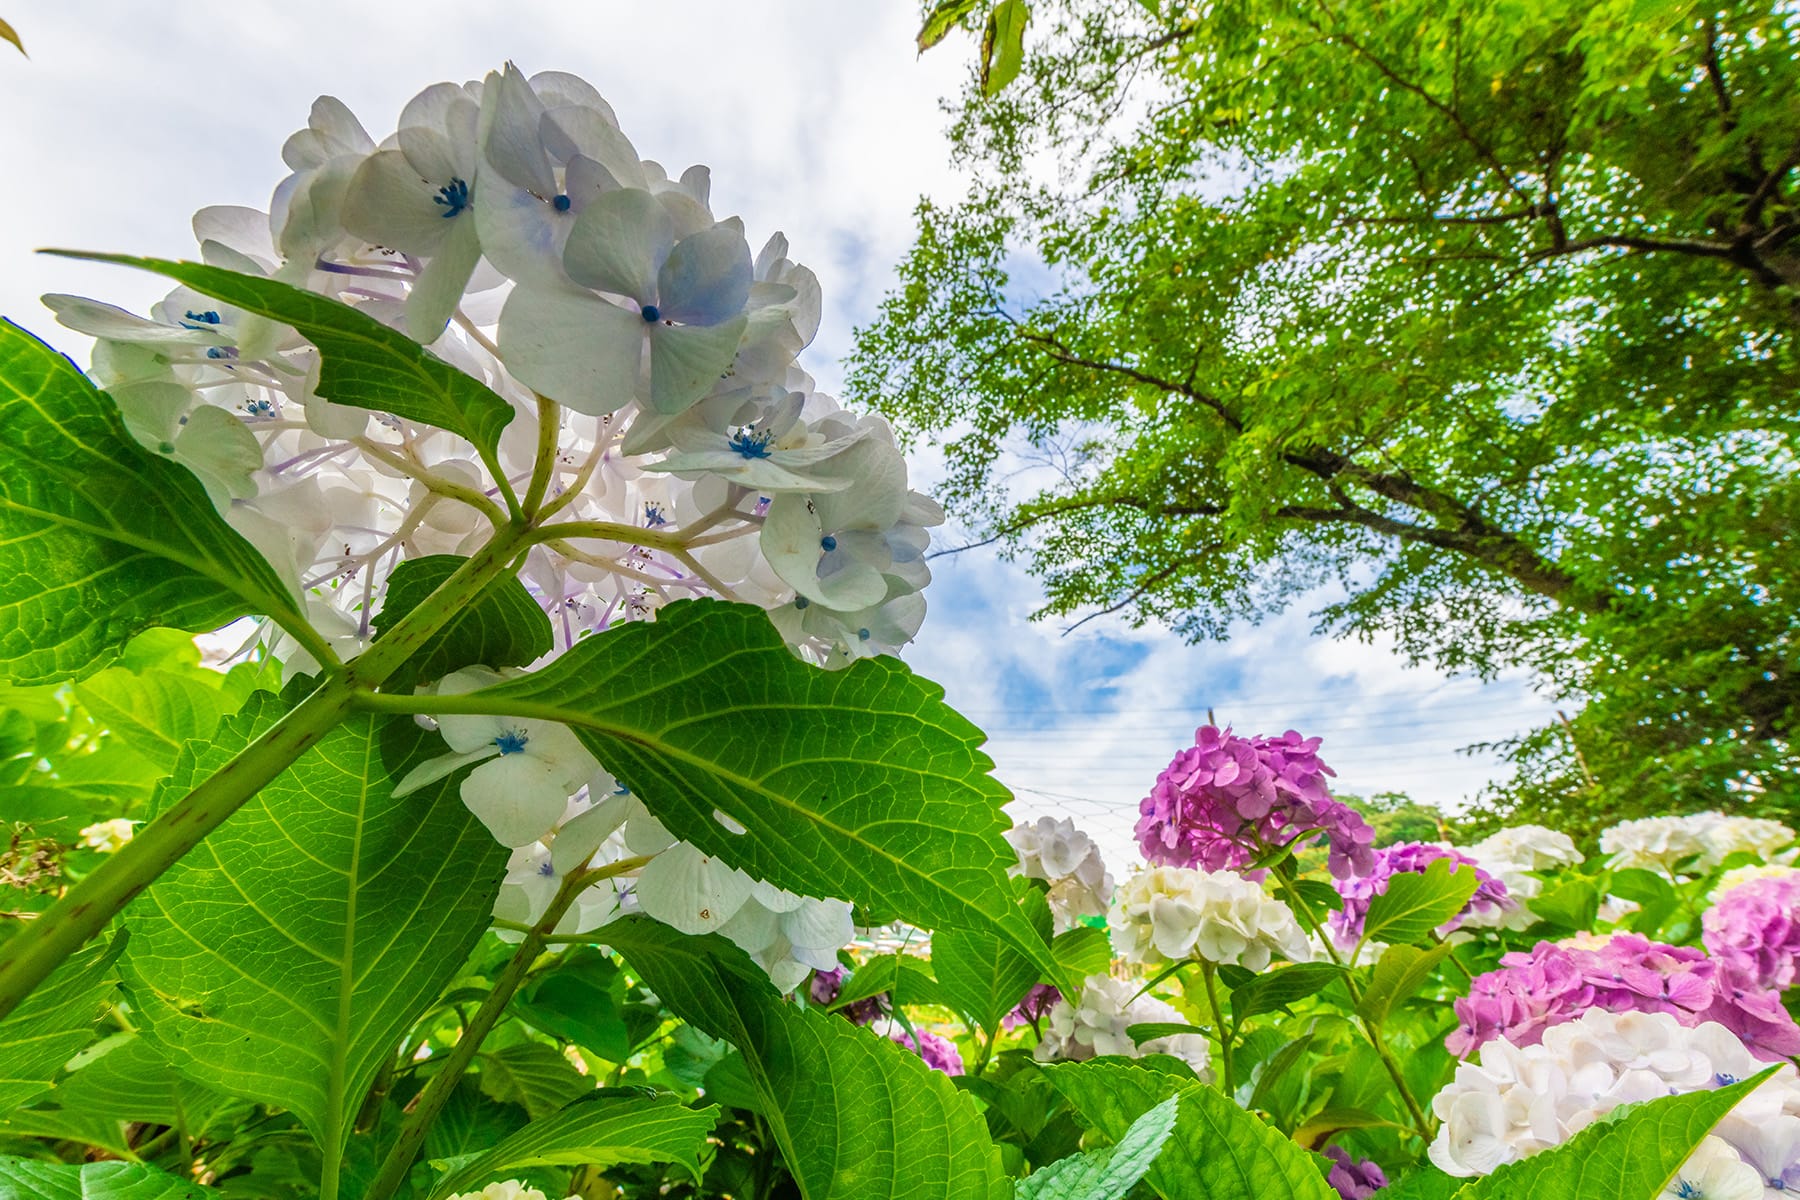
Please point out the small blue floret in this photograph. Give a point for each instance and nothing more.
(454, 196)
(750, 443)
(652, 314)
(828, 543)
(801, 602)
(561, 203)
(512, 741)
(209, 317)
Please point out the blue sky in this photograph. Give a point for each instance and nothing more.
(817, 119)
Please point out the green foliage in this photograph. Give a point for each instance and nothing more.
(598, 1130)
(25, 1179)
(283, 960)
(1633, 1155)
(1480, 317)
(857, 1117)
(980, 975)
(1415, 904)
(364, 363)
(45, 1032)
(1399, 973)
(99, 538)
(859, 781)
(1218, 1150)
(504, 628)
(1109, 1173)
(1280, 986)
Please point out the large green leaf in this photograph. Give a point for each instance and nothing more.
(860, 784)
(903, 978)
(599, 1131)
(980, 974)
(1219, 1151)
(1109, 1173)
(99, 538)
(857, 1116)
(1279, 987)
(504, 628)
(31, 1179)
(153, 712)
(363, 362)
(1401, 971)
(53, 1023)
(1416, 903)
(285, 956)
(532, 1075)
(1632, 1155)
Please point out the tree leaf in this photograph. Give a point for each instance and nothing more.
(980, 974)
(1401, 971)
(1003, 45)
(1109, 1173)
(1279, 987)
(33, 1179)
(942, 19)
(9, 34)
(1416, 903)
(364, 363)
(599, 1130)
(860, 784)
(155, 712)
(504, 628)
(99, 538)
(1218, 1151)
(54, 1023)
(285, 956)
(1633, 1154)
(857, 1117)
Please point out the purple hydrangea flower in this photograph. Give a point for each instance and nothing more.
(1409, 858)
(1754, 930)
(1351, 1178)
(827, 986)
(1553, 984)
(940, 1054)
(1226, 800)
(1034, 1007)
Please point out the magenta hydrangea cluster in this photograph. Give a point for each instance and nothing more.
(1034, 1007)
(1409, 858)
(1754, 931)
(1352, 1178)
(1554, 983)
(939, 1053)
(1225, 801)
(827, 986)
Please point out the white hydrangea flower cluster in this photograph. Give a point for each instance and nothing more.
(1513, 855)
(511, 226)
(1055, 851)
(1662, 843)
(1165, 914)
(1099, 1024)
(538, 790)
(1511, 1103)
(1735, 877)
(512, 1189)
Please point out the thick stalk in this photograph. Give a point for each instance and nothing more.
(28, 957)
(1220, 1029)
(430, 1102)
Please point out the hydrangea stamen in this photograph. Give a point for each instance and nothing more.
(454, 196)
(512, 741)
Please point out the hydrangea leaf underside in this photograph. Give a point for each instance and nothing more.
(99, 538)
(857, 1116)
(597, 1131)
(54, 1023)
(860, 784)
(1630, 1156)
(504, 628)
(1218, 1150)
(33, 1179)
(286, 955)
(364, 363)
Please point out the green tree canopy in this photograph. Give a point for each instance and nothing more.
(1482, 312)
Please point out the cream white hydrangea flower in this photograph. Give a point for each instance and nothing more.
(1169, 913)
(108, 836)
(1532, 847)
(1100, 1021)
(1053, 850)
(512, 1189)
(1510, 1103)
(1709, 838)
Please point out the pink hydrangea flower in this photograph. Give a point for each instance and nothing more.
(1754, 930)
(1034, 1007)
(939, 1053)
(1554, 984)
(1353, 1179)
(1226, 800)
(1409, 858)
(827, 986)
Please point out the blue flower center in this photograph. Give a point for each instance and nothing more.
(652, 314)
(454, 196)
(512, 741)
(862, 635)
(1688, 1191)
(561, 203)
(259, 408)
(1724, 1079)
(221, 352)
(547, 868)
(752, 443)
(828, 543)
(209, 317)
(653, 514)
(801, 602)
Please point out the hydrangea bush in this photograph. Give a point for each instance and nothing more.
(542, 812)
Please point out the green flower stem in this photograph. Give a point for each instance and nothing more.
(1221, 1030)
(424, 1110)
(543, 467)
(611, 531)
(28, 957)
